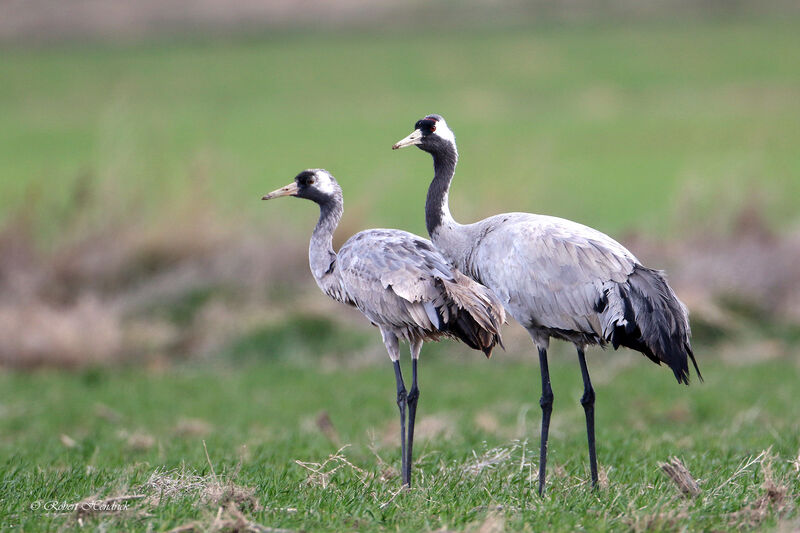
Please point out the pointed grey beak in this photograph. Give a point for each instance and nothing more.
(288, 190)
(414, 138)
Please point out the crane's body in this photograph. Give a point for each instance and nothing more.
(572, 283)
(558, 279)
(401, 283)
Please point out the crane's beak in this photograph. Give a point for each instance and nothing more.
(289, 190)
(414, 138)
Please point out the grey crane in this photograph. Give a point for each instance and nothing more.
(402, 284)
(558, 279)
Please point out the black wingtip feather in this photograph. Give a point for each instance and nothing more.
(656, 323)
(694, 362)
(466, 329)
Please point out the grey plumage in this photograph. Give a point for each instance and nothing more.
(558, 279)
(406, 287)
(400, 282)
(565, 280)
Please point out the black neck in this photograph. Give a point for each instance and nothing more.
(445, 158)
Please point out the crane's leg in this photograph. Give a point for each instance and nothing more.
(401, 404)
(587, 401)
(392, 346)
(413, 397)
(546, 402)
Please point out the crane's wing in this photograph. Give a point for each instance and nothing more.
(550, 272)
(390, 276)
(400, 280)
(559, 278)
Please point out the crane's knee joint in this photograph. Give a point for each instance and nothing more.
(546, 401)
(413, 395)
(402, 398)
(587, 400)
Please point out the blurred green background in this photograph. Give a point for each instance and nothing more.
(618, 126)
(139, 269)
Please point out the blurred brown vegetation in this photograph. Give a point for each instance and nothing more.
(186, 287)
(179, 287)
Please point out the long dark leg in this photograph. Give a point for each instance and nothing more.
(546, 402)
(401, 403)
(390, 340)
(587, 401)
(413, 396)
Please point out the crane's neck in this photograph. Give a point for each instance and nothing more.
(321, 257)
(437, 209)
(454, 240)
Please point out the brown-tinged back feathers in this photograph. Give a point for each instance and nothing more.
(479, 314)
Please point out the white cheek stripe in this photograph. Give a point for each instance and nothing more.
(444, 132)
(324, 182)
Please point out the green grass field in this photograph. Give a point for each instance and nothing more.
(638, 127)
(476, 454)
(663, 128)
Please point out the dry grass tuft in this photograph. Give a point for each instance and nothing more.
(208, 490)
(681, 476)
(174, 484)
(230, 493)
(774, 496)
(742, 470)
(227, 500)
(320, 474)
(491, 458)
(774, 491)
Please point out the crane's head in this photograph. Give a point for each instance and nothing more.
(315, 184)
(430, 134)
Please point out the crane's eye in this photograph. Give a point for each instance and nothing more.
(311, 180)
(433, 127)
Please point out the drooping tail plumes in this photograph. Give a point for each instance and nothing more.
(649, 317)
(478, 314)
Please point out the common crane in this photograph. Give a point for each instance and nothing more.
(558, 279)
(402, 284)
